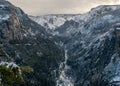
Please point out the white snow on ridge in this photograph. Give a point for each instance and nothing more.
(4, 17)
(116, 78)
(3, 6)
(8, 65)
(52, 21)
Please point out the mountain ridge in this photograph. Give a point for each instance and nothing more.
(92, 46)
(27, 43)
(77, 50)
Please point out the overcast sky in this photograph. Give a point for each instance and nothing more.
(41, 7)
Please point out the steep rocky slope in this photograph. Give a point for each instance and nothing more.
(64, 50)
(52, 21)
(93, 47)
(24, 42)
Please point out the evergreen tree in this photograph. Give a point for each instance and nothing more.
(9, 76)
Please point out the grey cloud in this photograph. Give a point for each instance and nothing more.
(38, 7)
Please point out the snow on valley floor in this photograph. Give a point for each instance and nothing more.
(63, 80)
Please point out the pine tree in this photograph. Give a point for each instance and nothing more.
(9, 76)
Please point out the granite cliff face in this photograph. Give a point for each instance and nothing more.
(9, 21)
(24, 42)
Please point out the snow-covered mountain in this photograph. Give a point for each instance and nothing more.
(92, 42)
(63, 50)
(52, 21)
(25, 43)
(61, 24)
